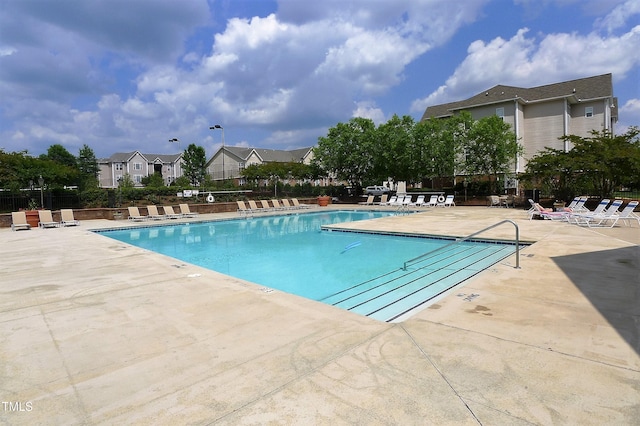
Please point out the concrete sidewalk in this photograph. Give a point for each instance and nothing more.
(93, 331)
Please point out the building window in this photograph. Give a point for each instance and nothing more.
(500, 113)
(137, 178)
(137, 166)
(588, 112)
(240, 166)
(119, 166)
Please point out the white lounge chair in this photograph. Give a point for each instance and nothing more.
(152, 213)
(433, 201)
(134, 214)
(419, 201)
(170, 213)
(67, 218)
(369, 201)
(596, 219)
(19, 221)
(493, 201)
(297, 204)
(46, 219)
(383, 200)
(577, 216)
(537, 210)
(186, 212)
(391, 201)
(265, 206)
(448, 202)
(625, 215)
(276, 205)
(287, 205)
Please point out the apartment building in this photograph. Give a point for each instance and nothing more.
(138, 165)
(540, 115)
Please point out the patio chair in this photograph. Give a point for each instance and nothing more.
(276, 205)
(152, 213)
(287, 205)
(67, 218)
(369, 201)
(383, 200)
(583, 213)
(625, 215)
(537, 210)
(242, 208)
(46, 219)
(134, 214)
(19, 221)
(448, 202)
(419, 201)
(597, 219)
(170, 213)
(296, 203)
(493, 201)
(265, 206)
(433, 201)
(186, 212)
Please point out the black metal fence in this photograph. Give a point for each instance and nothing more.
(25, 200)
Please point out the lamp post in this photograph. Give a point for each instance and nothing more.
(174, 140)
(215, 127)
(41, 183)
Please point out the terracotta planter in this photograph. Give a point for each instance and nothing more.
(324, 201)
(33, 218)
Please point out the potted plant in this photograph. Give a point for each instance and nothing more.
(324, 200)
(33, 218)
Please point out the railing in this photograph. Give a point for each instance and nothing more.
(459, 240)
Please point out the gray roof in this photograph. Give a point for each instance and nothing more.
(269, 155)
(122, 157)
(597, 87)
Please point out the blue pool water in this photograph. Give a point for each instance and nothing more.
(291, 253)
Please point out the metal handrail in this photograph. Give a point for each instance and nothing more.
(459, 240)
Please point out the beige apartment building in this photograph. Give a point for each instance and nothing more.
(138, 165)
(229, 161)
(540, 115)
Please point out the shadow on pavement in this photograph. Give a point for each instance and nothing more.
(610, 279)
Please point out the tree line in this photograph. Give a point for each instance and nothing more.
(418, 152)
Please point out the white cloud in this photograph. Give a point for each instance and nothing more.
(557, 57)
(369, 110)
(619, 16)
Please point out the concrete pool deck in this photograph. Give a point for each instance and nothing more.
(93, 331)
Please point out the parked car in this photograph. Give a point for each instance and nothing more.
(376, 190)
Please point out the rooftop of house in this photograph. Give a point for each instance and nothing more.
(597, 87)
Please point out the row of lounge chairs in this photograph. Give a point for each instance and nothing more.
(276, 205)
(45, 217)
(606, 213)
(154, 214)
(406, 201)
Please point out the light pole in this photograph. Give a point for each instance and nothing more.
(174, 140)
(41, 183)
(217, 126)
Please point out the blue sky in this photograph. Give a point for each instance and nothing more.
(122, 75)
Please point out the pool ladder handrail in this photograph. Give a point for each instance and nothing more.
(459, 240)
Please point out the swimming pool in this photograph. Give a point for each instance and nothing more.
(358, 271)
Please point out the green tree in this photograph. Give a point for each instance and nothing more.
(88, 168)
(596, 165)
(194, 162)
(397, 155)
(153, 181)
(60, 155)
(490, 149)
(348, 151)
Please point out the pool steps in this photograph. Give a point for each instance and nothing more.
(391, 295)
